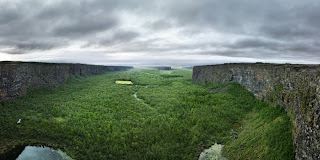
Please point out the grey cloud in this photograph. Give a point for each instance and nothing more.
(286, 31)
(78, 18)
(254, 43)
(119, 37)
(8, 15)
(43, 25)
(271, 29)
(161, 24)
(273, 18)
(22, 47)
(34, 46)
(81, 27)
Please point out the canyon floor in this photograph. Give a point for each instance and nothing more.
(162, 115)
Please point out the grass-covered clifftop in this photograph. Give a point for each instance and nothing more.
(170, 118)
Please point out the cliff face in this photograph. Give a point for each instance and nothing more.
(17, 78)
(295, 87)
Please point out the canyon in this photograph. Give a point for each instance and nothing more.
(17, 78)
(294, 87)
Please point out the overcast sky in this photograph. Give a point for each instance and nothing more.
(162, 32)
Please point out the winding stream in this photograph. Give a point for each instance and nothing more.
(135, 97)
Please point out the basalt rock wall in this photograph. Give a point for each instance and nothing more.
(295, 87)
(17, 78)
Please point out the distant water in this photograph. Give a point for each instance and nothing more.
(42, 153)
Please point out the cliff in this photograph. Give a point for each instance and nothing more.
(295, 87)
(16, 78)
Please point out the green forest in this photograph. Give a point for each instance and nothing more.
(162, 115)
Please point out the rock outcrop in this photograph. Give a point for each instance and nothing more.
(295, 87)
(16, 78)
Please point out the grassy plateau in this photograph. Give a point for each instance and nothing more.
(161, 116)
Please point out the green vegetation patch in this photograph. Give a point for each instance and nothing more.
(266, 134)
(94, 118)
(124, 82)
(170, 76)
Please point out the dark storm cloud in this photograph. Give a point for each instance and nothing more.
(269, 29)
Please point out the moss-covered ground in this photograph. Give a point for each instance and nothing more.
(94, 118)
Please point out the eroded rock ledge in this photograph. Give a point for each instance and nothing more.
(16, 78)
(295, 87)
